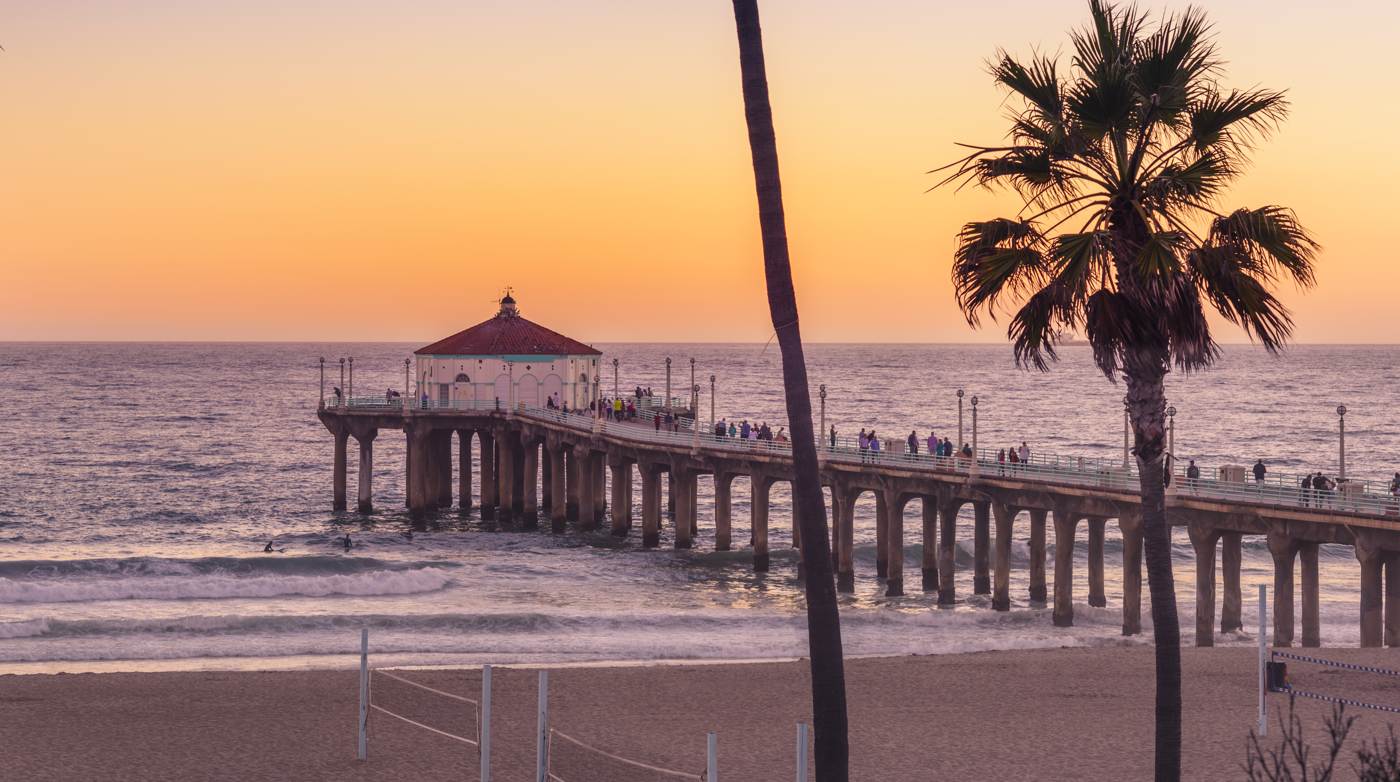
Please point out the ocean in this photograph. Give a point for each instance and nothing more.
(142, 481)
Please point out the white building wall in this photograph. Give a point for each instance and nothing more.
(489, 378)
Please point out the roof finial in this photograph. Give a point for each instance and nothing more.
(508, 309)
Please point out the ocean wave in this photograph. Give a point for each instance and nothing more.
(174, 566)
(217, 586)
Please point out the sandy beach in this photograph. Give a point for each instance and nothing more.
(1059, 714)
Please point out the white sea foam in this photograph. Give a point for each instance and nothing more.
(213, 586)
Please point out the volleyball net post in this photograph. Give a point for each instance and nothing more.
(542, 730)
(362, 748)
(1263, 660)
(484, 724)
(802, 744)
(711, 757)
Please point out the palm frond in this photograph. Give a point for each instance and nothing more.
(1036, 83)
(1158, 257)
(1194, 184)
(1235, 119)
(995, 258)
(1169, 63)
(1032, 331)
(1267, 239)
(1242, 298)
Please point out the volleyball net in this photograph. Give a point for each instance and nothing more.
(402, 697)
(1314, 677)
(566, 758)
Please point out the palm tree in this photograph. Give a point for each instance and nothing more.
(1126, 153)
(823, 620)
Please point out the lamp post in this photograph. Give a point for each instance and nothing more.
(694, 424)
(1341, 442)
(597, 393)
(974, 433)
(712, 403)
(959, 444)
(350, 387)
(821, 433)
(340, 396)
(1125, 431)
(615, 391)
(510, 392)
(1171, 432)
(666, 400)
(405, 383)
(323, 383)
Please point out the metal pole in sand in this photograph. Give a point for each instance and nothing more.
(364, 689)
(542, 732)
(711, 757)
(801, 752)
(484, 726)
(1263, 662)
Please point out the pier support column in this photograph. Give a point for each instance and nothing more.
(1372, 561)
(488, 475)
(558, 494)
(1392, 598)
(724, 508)
(530, 508)
(419, 481)
(1097, 598)
(894, 536)
(571, 474)
(797, 532)
(506, 446)
(1004, 516)
(929, 558)
(981, 548)
(338, 479)
(1231, 601)
(1131, 529)
(546, 479)
(621, 498)
(365, 495)
(464, 470)
(846, 561)
(1203, 540)
(442, 454)
(947, 541)
(1065, 523)
(761, 484)
(683, 488)
(882, 536)
(1038, 594)
(694, 506)
(651, 506)
(587, 484)
(1312, 608)
(600, 486)
(1283, 548)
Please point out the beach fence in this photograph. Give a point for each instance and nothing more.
(561, 757)
(1342, 678)
(450, 715)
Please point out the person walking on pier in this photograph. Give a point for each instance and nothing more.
(1001, 460)
(733, 430)
(874, 445)
(656, 421)
(913, 444)
(933, 445)
(1193, 474)
(1025, 453)
(833, 443)
(336, 391)
(863, 443)
(1259, 471)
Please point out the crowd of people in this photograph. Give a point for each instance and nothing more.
(747, 431)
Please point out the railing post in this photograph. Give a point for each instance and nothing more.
(542, 730)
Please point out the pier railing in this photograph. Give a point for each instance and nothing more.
(1279, 489)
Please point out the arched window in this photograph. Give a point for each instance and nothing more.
(463, 379)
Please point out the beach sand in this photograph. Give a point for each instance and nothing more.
(1035, 715)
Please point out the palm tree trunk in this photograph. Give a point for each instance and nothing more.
(1147, 409)
(823, 620)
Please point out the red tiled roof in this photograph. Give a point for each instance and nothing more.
(508, 335)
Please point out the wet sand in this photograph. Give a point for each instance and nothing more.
(1045, 715)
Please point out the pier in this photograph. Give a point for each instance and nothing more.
(543, 462)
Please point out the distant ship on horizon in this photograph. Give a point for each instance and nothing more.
(1068, 339)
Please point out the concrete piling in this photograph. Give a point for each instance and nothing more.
(981, 548)
(1097, 597)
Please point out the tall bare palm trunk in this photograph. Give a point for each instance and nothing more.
(1147, 410)
(823, 620)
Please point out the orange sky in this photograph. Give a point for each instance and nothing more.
(189, 169)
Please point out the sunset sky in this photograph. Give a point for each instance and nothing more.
(289, 169)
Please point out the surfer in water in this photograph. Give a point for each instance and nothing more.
(348, 543)
(268, 549)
